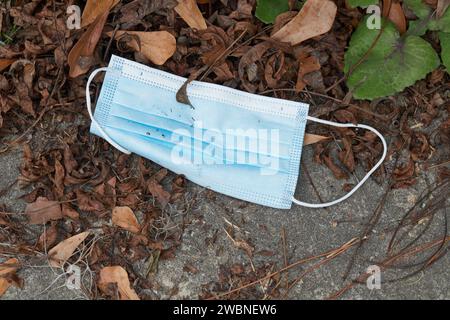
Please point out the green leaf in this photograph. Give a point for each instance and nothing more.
(426, 20)
(420, 9)
(445, 45)
(268, 10)
(361, 3)
(393, 63)
(443, 24)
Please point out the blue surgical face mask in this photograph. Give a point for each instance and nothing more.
(240, 144)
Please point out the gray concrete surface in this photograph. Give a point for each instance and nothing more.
(309, 232)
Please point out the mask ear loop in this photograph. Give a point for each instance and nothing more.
(89, 108)
(346, 125)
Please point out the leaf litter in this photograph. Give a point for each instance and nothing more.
(80, 184)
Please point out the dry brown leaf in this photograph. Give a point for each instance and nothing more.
(117, 275)
(4, 286)
(346, 154)
(70, 212)
(386, 7)
(59, 178)
(48, 238)
(5, 63)
(43, 210)
(157, 46)
(313, 138)
(60, 253)
(124, 217)
(397, 16)
(158, 192)
(3, 222)
(95, 8)
(6, 268)
(315, 18)
(307, 65)
(81, 58)
(337, 171)
(189, 11)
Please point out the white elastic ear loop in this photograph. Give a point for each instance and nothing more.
(89, 108)
(346, 125)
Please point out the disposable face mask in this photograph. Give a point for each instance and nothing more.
(236, 143)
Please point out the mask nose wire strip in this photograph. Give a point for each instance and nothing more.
(346, 125)
(89, 108)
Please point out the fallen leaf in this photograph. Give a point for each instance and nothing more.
(117, 275)
(48, 238)
(5, 63)
(134, 12)
(7, 268)
(59, 179)
(4, 286)
(397, 16)
(315, 18)
(404, 175)
(337, 171)
(313, 138)
(81, 58)
(307, 65)
(157, 46)
(70, 212)
(124, 217)
(94, 9)
(88, 203)
(189, 11)
(346, 155)
(60, 253)
(158, 192)
(43, 210)
(3, 222)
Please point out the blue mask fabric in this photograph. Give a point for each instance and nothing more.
(243, 145)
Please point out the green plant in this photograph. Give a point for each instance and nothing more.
(382, 62)
(8, 36)
(361, 3)
(268, 10)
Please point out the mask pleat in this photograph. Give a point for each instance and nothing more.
(156, 122)
(189, 146)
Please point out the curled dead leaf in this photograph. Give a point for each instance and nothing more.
(60, 253)
(315, 18)
(119, 276)
(157, 46)
(337, 171)
(81, 58)
(124, 217)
